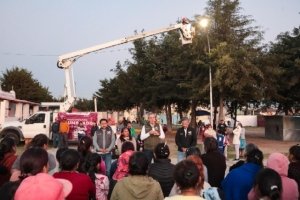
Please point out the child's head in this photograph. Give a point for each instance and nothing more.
(210, 144)
(138, 164)
(127, 146)
(193, 151)
(249, 147)
(255, 156)
(33, 161)
(92, 163)
(40, 140)
(59, 152)
(85, 144)
(69, 160)
(7, 145)
(294, 153)
(198, 161)
(162, 151)
(187, 175)
(268, 184)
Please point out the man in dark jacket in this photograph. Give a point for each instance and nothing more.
(55, 133)
(104, 142)
(185, 138)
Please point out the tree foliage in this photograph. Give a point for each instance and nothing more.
(25, 86)
(83, 104)
(285, 54)
(234, 56)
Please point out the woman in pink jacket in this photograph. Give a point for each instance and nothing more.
(280, 163)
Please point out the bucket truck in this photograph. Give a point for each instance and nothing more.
(41, 122)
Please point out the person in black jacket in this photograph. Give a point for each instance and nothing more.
(185, 138)
(162, 168)
(214, 161)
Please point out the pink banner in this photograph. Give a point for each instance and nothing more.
(74, 118)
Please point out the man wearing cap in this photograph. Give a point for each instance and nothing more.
(185, 138)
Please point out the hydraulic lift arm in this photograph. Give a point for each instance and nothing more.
(65, 61)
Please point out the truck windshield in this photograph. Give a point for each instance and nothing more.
(37, 118)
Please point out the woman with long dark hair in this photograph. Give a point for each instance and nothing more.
(7, 158)
(125, 136)
(91, 166)
(40, 141)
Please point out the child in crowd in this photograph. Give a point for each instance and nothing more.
(121, 165)
(85, 150)
(34, 180)
(294, 166)
(196, 151)
(267, 185)
(41, 141)
(279, 163)
(7, 158)
(81, 130)
(189, 180)
(242, 141)
(83, 187)
(92, 167)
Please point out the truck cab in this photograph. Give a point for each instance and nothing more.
(37, 123)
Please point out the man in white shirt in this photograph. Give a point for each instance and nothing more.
(152, 134)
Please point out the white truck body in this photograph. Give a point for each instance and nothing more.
(40, 123)
(37, 123)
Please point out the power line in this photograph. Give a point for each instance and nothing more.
(56, 55)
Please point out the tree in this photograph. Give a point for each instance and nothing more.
(285, 54)
(25, 86)
(236, 74)
(83, 104)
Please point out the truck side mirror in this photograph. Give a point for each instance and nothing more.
(27, 121)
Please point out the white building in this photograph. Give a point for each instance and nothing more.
(12, 109)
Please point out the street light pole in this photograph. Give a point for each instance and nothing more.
(204, 23)
(210, 85)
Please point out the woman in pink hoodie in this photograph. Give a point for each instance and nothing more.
(280, 163)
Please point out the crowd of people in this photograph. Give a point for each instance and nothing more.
(90, 172)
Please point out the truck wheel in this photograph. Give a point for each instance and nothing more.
(14, 136)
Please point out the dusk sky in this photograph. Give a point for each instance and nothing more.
(35, 32)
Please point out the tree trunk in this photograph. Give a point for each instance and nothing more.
(246, 110)
(215, 117)
(193, 113)
(141, 114)
(221, 110)
(235, 104)
(169, 116)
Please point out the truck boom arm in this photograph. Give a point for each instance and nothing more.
(65, 61)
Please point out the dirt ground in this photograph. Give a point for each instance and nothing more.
(254, 135)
